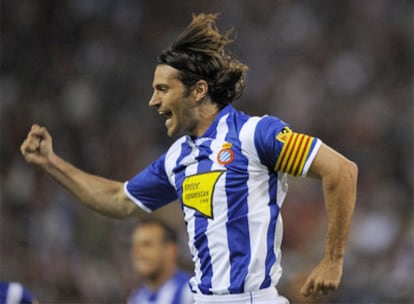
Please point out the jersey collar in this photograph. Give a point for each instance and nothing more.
(211, 131)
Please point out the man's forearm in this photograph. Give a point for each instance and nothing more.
(100, 194)
(340, 196)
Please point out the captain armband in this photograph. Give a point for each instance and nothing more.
(295, 152)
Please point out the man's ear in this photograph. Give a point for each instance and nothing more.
(200, 89)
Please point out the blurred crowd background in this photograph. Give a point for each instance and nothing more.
(340, 70)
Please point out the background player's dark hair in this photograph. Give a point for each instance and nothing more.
(170, 235)
(198, 53)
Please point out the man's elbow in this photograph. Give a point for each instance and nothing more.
(345, 174)
(351, 169)
(125, 207)
(128, 209)
(349, 176)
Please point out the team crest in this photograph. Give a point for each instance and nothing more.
(225, 155)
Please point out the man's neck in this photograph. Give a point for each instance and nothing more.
(207, 112)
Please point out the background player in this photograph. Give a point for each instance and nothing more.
(154, 255)
(16, 293)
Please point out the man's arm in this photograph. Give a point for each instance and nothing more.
(339, 181)
(100, 194)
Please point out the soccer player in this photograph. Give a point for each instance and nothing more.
(16, 293)
(154, 254)
(228, 170)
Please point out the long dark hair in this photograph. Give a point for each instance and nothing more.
(198, 53)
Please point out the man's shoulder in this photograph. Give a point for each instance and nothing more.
(263, 118)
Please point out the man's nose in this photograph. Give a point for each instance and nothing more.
(154, 100)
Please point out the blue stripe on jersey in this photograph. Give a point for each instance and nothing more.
(314, 142)
(201, 243)
(237, 225)
(274, 213)
(201, 224)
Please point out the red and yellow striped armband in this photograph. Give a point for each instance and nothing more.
(296, 150)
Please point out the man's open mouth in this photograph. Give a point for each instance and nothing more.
(166, 114)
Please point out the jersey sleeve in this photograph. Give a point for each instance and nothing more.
(283, 150)
(150, 189)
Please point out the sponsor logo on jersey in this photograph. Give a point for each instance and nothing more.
(198, 192)
(225, 156)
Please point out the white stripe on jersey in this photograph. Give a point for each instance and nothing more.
(311, 157)
(14, 293)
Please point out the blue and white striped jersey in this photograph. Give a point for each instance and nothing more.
(15, 293)
(231, 183)
(174, 291)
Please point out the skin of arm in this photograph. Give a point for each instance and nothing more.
(102, 195)
(339, 182)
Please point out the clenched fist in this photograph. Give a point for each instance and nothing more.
(324, 278)
(37, 147)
